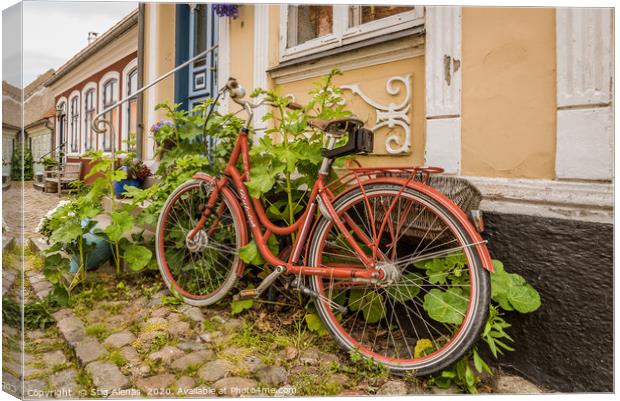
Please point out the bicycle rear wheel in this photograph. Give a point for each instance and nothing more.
(202, 270)
(433, 302)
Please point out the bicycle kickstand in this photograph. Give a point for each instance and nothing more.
(253, 293)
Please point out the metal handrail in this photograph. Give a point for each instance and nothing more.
(99, 125)
(62, 145)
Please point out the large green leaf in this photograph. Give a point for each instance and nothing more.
(436, 270)
(446, 306)
(121, 222)
(407, 288)
(374, 310)
(511, 291)
(137, 256)
(524, 298)
(369, 302)
(262, 179)
(315, 324)
(54, 266)
(239, 306)
(68, 232)
(250, 254)
(500, 286)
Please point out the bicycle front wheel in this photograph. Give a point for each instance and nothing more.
(433, 301)
(204, 269)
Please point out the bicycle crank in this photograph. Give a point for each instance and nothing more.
(253, 293)
(311, 293)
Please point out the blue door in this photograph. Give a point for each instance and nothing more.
(196, 31)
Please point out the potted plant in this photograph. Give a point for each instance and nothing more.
(164, 134)
(136, 171)
(49, 163)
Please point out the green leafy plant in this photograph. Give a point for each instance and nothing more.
(285, 161)
(21, 159)
(189, 143)
(36, 314)
(49, 162)
(509, 292)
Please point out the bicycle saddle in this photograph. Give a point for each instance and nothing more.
(339, 126)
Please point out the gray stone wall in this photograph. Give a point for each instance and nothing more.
(567, 345)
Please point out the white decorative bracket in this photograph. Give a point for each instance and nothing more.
(393, 115)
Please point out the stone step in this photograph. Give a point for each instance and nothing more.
(7, 243)
(38, 244)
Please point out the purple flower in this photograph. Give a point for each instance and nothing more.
(157, 126)
(226, 10)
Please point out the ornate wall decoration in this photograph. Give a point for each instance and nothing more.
(394, 116)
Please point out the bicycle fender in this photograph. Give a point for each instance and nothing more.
(487, 262)
(205, 177)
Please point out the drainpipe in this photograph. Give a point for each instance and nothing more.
(140, 100)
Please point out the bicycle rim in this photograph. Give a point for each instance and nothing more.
(204, 269)
(418, 320)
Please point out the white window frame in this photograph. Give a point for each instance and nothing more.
(107, 77)
(342, 34)
(133, 64)
(70, 123)
(88, 130)
(62, 100)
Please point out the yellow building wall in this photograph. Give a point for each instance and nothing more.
(372, 81)
(508, 92)
(158, 62)
(241, 31)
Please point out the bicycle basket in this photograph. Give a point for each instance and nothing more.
(459, 190)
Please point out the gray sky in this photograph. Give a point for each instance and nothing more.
(55, 30)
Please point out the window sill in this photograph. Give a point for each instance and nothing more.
(392, 47)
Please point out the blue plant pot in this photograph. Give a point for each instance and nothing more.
(99, 254)
(119, 186)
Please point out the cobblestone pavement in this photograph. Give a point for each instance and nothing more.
(35, 206)
(128, 337)
(49, 367)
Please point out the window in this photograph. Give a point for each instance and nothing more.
(131, 108)
(74, 127)
(90, 109)
(309, 22)
(311, 29)
(61, 127)
(199, 20)
(110, 97)
(363, 14)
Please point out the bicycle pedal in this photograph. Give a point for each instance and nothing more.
(249, 293)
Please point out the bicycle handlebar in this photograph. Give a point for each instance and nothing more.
(237, 93)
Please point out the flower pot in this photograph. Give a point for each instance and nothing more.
(98, 253)
(119, 186)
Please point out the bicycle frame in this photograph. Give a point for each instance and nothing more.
(257, 219)
(321, 196)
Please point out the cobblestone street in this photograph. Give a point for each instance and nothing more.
(35, 206)
(127, 336)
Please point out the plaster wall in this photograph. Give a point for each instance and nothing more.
(372, 81)
(509, 92)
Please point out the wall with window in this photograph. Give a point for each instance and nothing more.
(516, 100)
(78, 105)
(384, 76)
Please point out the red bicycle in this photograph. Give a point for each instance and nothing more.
(357, 250)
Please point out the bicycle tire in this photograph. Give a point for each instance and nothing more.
(479, 294)
(231, 268)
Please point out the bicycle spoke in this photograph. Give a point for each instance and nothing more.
(388, 317)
